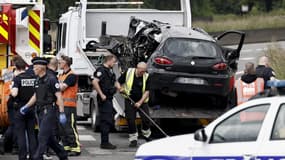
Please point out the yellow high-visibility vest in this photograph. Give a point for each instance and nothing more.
(130, 79)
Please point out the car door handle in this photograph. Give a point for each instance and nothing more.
(248, 157)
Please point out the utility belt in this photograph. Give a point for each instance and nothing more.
(109, 92)
(44, 108)
(17, 105)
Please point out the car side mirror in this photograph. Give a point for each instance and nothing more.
(200, 135)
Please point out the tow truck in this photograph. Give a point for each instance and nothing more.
(83, 25)
(84, 29)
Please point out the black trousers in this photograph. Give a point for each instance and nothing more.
(10, 134)
(47, 122)
(25, 127)
(106, 119)
(70, 138)
(131, 113)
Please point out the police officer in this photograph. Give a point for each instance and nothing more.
(52, 66)
(47, 91)
(104, 83)
(52, 69)
(264, 71)
(22, 91)
(68, 86)
(136, 85)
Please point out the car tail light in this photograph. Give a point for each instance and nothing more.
(220, 66)
(163, 60)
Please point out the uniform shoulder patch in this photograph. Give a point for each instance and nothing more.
(273, 73)
(56, 85)
(98, 74)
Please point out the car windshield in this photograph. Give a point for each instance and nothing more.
(186, 47)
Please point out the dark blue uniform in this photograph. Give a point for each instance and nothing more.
(24, 124)
(107, 84)
(45, 89)
(264, 72)
(10, 137)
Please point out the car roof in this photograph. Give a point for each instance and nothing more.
(277, 98)
(184, 32)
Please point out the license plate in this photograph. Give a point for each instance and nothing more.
(196, 81)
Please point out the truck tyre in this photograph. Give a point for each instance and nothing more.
(94, 115)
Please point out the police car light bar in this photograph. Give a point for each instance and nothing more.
(276, 83)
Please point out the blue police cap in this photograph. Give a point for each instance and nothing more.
(39, 60)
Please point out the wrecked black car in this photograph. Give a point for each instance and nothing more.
(183, 60)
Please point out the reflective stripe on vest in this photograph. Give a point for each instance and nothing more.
(130, 79)
(246, 91)
(7, 90)
(69, 94)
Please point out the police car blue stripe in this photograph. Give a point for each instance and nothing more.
(162, 158)
(270, 158)
(239, 158)
(207, 158)
(218, 158)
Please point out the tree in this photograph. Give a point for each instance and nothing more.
(268, 5)
(55, 8)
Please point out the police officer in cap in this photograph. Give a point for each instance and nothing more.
(47, 92)
(104, 84)
(22, 91)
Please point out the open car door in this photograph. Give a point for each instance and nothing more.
(232, 53)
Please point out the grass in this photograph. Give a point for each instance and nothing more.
(247, 22)
(276, 55)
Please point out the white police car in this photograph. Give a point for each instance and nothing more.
(253, 130)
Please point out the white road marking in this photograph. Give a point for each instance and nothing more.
(260, 49)
(247, 58)
(98, 151)
(247, 50)
(86, 138)
(80, 128)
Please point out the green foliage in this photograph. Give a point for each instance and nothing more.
(226, 6)
(276, 55)
(54, 8)
(162, 5)
(201, 8)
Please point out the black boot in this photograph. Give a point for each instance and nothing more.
(133, 144)
(107, 146)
